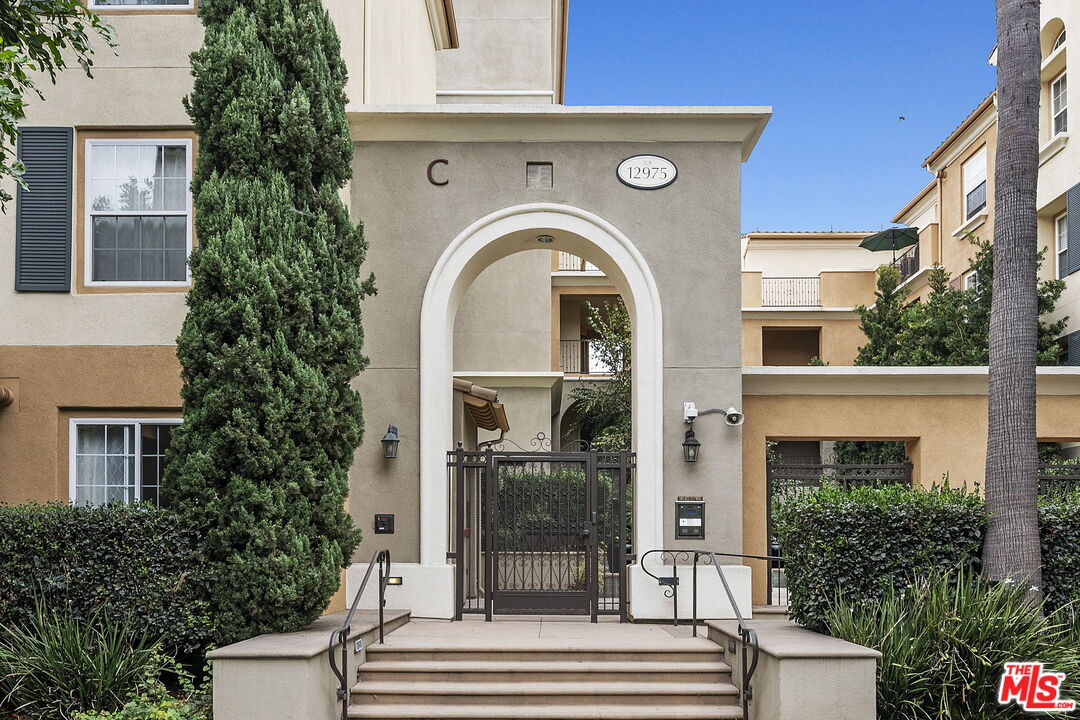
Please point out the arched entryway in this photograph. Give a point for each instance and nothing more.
(489, 239)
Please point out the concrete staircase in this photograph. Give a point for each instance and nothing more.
(685, 678)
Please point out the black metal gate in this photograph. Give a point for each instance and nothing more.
(540, 532)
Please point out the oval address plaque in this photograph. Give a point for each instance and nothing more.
(647, 172)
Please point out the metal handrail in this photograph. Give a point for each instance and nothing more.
(747, 634)
(340, 637)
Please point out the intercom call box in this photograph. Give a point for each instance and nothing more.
(689, 519)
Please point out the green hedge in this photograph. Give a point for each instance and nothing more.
(863, 541)
(1059, 528)
(133, 561)
(858, 543)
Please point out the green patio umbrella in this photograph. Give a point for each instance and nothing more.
(891, 239)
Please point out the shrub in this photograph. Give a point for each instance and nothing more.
(861, 542)
(57, 663)
(132, 561)
(944, 641)
(154, 701)
(1059, 529)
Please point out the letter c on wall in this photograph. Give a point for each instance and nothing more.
(431, 167)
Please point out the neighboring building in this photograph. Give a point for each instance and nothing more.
(799, 289)
(959, 202)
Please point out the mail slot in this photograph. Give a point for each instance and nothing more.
(689, 520)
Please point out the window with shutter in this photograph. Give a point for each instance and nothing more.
(43, 211)
(1072, 252)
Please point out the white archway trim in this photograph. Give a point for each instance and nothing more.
(485, 241)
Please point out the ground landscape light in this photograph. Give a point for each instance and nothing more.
(390, 443)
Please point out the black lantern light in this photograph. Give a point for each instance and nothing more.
(690, 446)
(390, 443)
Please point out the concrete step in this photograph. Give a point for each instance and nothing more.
(681, 652)
(546, 712)
(581, 693)
(541, 671)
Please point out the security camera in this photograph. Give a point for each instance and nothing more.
(733, 417)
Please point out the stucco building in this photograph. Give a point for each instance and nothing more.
(495, 214)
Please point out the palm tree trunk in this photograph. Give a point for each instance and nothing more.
(1012, 540)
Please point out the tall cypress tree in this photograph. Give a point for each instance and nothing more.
(273, 337)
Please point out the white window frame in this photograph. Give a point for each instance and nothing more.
(73, 428)
(965, 182)
(98, 5)
(971, 280)
(1058, 41)
(1063, 110)
(1058, 237)
(88, 223)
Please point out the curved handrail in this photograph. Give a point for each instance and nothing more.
(340, 637)
(747, 634)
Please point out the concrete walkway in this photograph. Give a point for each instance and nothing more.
(536, 632)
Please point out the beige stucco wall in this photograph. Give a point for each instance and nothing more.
(504, 322)
(390, 50)
(841, 335)
(956, 252)
(807, 254)
(847, 289)
(940, 412)
(507, 48)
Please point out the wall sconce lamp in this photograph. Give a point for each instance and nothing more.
(691, 446)
(390, 443)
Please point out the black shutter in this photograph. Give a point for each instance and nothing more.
(1072, 349)
(43, 211)
(1072, 255)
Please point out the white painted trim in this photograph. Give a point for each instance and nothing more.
(801, 313)
(497, 93)
(495, 379)
(97, 5)
(961, 144)
(1052, 147)
(442, 33)
(902, 380)
(973, 224)
(88, 235)
(482, 243)
(73, 424)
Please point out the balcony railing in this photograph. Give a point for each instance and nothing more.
(908, 263)
(791, 292)
(576, 358)
(568, 262)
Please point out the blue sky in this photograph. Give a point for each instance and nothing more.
(838, 75)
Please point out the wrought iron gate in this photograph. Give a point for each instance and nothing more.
(540, 532)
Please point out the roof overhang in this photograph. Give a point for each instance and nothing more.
(558, 123)
(443, 24)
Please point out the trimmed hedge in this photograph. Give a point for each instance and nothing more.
(1059, 528)
(856, 544)
(863, 541)
(134, 561)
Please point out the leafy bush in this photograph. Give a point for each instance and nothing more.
(154, 701)
(132, 561)
(57, 663)
(861, 542)
(1059, 530)
(944, 642)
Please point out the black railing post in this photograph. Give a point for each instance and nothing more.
(693, 632)
(382, 598)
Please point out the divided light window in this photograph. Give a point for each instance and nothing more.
(971, 280)
(1059, 104)
(1061, 232)
(116, 460)
(975, 184)
(138, 215)
(123, 4)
